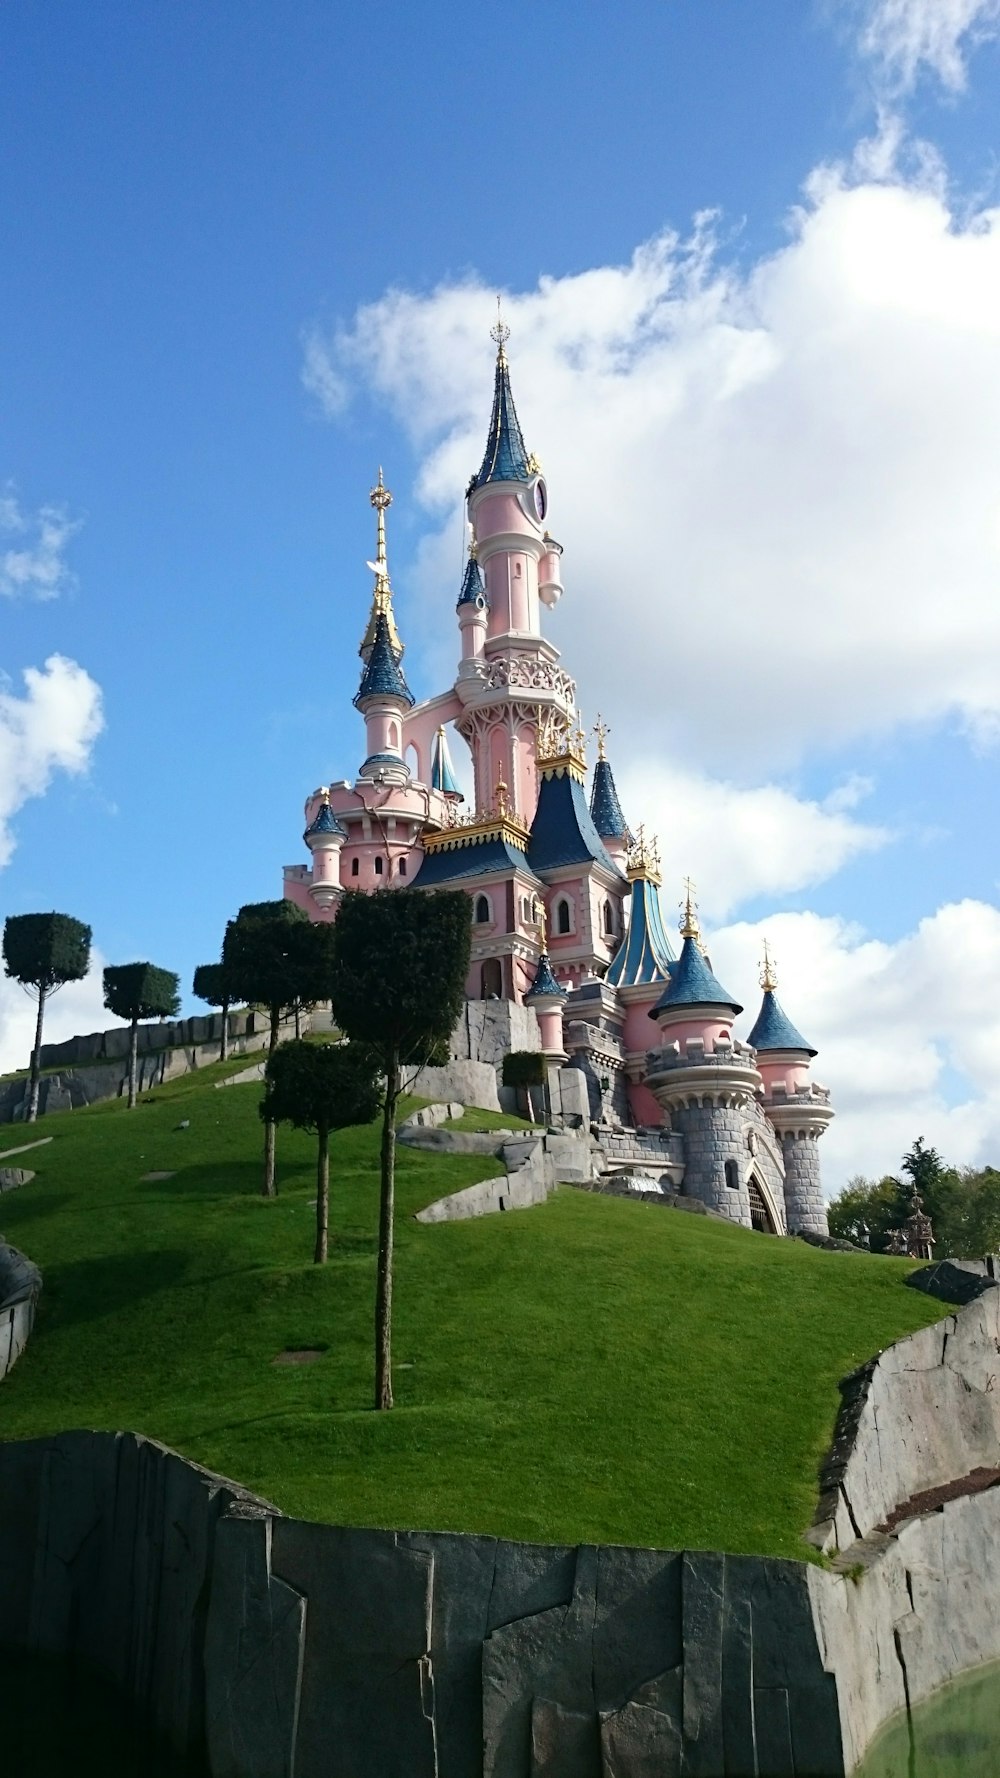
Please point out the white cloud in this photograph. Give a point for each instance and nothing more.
(51, 728)
(905, 38)
(908, 1034)
(739, 843)
(33, 549)
(777, 485)
(78, 1007)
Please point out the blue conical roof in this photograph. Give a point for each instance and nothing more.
(544, 982)
(645, 953)
(383, 675)
(693, 984)
(324, 821)
(774, 1029)
(473, 585)
(562, 831)
(442, 772)
(605, 808)
(506, 459)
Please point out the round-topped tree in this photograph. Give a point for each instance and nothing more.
(797, 1107)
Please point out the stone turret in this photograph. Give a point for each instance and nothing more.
(795, 1105)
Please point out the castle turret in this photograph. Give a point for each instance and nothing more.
(640, 970)
(383, 697)
(707, 1083)
(547, 998)
(796, 1106)
(442, 771)
(325, 836)
(473, 614)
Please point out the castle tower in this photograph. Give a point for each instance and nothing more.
(640, 969)
(707, 1083)
(605, 809)
(797, 1107)
(509, 672)
(324, 837)
(547, 998)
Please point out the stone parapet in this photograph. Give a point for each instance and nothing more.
(724, 1073)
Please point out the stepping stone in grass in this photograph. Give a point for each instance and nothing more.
(150, 1178)
(300, 1355)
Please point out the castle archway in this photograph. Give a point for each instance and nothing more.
(491, 980)
(762, 1215)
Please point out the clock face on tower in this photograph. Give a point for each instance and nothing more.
(541, 499)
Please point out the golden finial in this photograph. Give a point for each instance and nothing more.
(602, 731)
(538, 915)
(381, 499)
(501, 334)
(501, 803)
(768, 976)
(324, 793)
(689, 924)
(643, 856)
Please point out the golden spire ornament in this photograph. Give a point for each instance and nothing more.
(602, 731)
(768, 976)
(501, 803)
(381, 499)
(500, 334)
(689, 923)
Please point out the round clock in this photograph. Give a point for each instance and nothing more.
(541, 499)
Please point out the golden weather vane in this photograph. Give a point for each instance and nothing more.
(602, 731)
(768, 976)
(500, 333)
(689, 923)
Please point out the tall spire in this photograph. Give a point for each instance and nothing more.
(773, 1029)
(605, 808)
(505, 458)
(381, 500)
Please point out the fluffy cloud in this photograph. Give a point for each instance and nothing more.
(79, 1006)
(51, 728)
(908, 1033)
(33, 549)
(906, 37)
(776, 483)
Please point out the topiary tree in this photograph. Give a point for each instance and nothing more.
(43, 952)
(321, 1087)
(211, 984)
(135, 991)
(401, 957)
(275, 956)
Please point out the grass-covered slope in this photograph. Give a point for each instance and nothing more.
(589, 1370)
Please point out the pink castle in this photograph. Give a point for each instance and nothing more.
(566, 910)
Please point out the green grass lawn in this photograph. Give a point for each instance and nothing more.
(591, 1370)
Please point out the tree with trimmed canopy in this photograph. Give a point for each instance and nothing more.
(43, 952)
(275, 956)
(321, 1087)
(135, 991)
(401, 957)
(211, 984)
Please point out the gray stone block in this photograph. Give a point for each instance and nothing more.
(12, 1177)
(254, 1650)
(702, 1601)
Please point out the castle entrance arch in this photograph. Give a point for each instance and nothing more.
(761, 1214)
(491, 980)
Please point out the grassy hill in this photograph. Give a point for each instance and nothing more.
(591, 1370)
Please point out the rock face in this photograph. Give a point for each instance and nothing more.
(20, 1288)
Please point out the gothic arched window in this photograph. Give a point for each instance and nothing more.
(564, 918)
(379, 864)
(482, 913)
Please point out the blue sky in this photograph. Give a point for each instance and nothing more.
(750, 260)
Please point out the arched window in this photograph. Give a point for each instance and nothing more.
(482, 913)
(732, 1176)
(402, 867)
(491, 979)
(393, 734)
(354, 867)
(379, 864)
(609, 918)
(564, 919)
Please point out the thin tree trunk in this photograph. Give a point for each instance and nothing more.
(322, 1198)
(224, 1042)
(133, 1050)
(298, 1021)
(269, 1188)
(383, 1292)
(36, 1060)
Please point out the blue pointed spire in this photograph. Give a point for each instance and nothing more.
(324, 821)
(505, 458)
(693, 984)
(473, 586)
(774, 1029)
(605, 809)
(645, 953)
(383, 675)
(442, 772)
(544, 982)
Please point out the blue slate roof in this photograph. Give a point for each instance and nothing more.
(506, 459)
(693, 984)
(473, 586)
(325, 821)
(455, 864)
(544, 982)
(383, 675)
(563, 831)
(774, 1029)
(645, 953)
(442, 771)
(605, 808)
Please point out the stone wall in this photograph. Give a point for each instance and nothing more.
(20, 1288)
(805, 1205)
(112, 1045)
(714, 1134)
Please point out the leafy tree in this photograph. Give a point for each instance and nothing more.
(401, 957)
(43, 952)
(211, 984)
(321, 1087)
(865, 1211)
(275, 956)
(137, 991)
